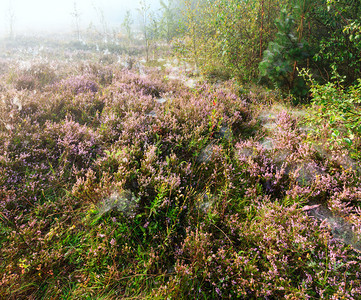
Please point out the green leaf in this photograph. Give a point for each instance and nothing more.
(335, 133)
(348, 141)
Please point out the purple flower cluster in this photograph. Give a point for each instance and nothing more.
(115, 180)
(79, 84)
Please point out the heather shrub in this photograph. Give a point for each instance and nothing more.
(25, 82)
(116, 185)
(4, 67)
(83, 108)
(79, 84)
(294, 170)
(279, 254)
(142, 84)
(41, 159)
(104, 74)
(35, 77)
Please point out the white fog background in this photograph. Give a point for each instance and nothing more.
(46, 16)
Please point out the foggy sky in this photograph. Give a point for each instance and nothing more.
(49, 15)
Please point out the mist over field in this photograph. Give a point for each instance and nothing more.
(46, 16)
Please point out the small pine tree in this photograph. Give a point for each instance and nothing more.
(283, 55)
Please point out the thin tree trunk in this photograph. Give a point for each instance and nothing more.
(195, 49)
(261, 32)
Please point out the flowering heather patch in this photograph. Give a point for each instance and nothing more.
(279, 254)
(34, 77)
(104, 74)
(108, 191)
(39, 159)
(79, 84)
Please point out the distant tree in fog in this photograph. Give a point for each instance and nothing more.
(102, 20)
(76, 15)
(169, 19)
(144, 11)
(127, 24)
(10, 16)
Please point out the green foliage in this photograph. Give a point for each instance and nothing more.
(226, 35)
(169, 20)
(144, 12)
(250, 38)
(194, 30)
(280, 59)
(292, 47)
(339, 108)
(127, 24)
(338, 37)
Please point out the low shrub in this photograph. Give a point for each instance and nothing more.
(141, 187)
